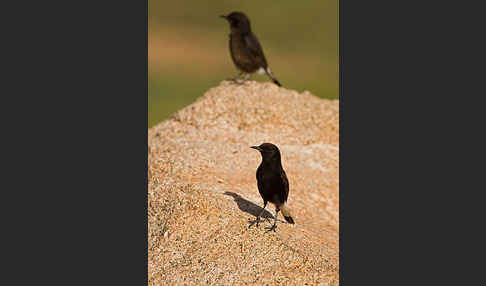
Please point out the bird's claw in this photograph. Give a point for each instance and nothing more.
(273, 227)
(252, 222)
(236, 80)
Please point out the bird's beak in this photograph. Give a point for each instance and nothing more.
(223, 16)
(256, 147)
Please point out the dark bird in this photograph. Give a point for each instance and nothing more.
(272, 181)
(246, 52)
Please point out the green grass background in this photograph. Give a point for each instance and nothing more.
(299, 38)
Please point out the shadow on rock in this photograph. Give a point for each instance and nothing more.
(248, 206)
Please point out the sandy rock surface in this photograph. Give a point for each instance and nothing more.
(203, 190)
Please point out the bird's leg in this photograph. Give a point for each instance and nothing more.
(257, 220)
(274, 226)
(246, 77)
(242, 80)
(237, 78)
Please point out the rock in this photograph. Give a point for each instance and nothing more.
(202, 188)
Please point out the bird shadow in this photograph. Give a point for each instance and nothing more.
(248, 207)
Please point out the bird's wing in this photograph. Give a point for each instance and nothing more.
(259, 176)
(285, 182)
(255, 49)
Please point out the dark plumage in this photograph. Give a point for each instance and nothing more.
(246, 51)
(273, 184)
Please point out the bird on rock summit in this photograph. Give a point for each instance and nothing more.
(245, 49)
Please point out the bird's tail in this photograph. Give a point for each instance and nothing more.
(269, 73)
(286, 213)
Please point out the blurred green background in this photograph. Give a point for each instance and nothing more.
(188, 48)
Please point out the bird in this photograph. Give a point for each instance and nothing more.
(272, 182)
(245, 49)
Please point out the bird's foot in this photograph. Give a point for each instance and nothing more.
(236, 80)
(252, 222)
(273, 227)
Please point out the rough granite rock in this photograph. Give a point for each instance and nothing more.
(202, 190)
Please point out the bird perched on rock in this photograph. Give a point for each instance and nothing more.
(272, 181)
(246, 52)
